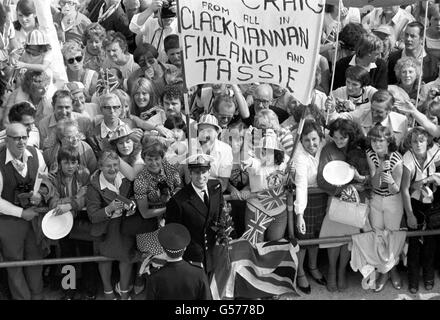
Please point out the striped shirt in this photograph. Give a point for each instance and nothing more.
(395, 158)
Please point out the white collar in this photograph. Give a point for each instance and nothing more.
(371, 66)
(104, 183)
(105, 130)
(200, 191)
(10, 157)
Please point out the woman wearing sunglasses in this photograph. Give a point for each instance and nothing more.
(74, 61)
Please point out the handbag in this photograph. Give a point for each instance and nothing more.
(136, 224)
(352, 213)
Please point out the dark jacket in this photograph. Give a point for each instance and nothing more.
(378, 75)
(187, 208)
(430, 69)
(98, 199)
(178, 281)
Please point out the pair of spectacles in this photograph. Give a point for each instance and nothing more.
(18, 138)
(72, 138)
(72, 60)
(111, 107)
(261, 101)
(69, 3)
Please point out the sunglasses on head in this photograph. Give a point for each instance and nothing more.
(72, 60)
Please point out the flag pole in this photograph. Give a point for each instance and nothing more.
(421, 59)
(185, 92)
(335, 56)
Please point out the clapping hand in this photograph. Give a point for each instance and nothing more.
(406, 107)
(246, 164)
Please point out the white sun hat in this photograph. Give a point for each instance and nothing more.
(57, 227)
(338, 173)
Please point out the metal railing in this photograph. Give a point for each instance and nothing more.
(29, 263)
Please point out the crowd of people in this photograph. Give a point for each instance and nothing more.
(143, 178)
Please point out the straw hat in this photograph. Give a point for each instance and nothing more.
(209, 119)
(120, 132)
(36, 38)
(57, 227)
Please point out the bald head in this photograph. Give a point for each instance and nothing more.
(262, 97)
(16, 139)
(14, 128)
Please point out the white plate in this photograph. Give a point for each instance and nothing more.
(338, 172)
(57, 227)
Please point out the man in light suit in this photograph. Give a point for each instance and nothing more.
(380, 112)
(198, 206)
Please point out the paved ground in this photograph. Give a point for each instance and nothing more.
(354, 292)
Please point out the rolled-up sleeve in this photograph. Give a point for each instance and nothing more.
(6, 207)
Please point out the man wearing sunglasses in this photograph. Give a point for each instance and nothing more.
(62, 110)
(24, 113)
(19, 167)
(104, 128)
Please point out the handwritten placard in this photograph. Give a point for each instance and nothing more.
(246, 41)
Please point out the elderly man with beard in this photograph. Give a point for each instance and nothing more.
(62, 109)
(379, 112)
(35, 88)
(19, 167)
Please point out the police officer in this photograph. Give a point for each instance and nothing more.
(198, 206)
(178, 279)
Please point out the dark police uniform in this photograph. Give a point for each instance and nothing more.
(177, 280)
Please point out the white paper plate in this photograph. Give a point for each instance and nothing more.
(57, 227)
(338, 172)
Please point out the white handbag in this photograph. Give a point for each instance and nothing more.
(351, 213)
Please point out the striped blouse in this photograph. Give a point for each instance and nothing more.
(395, 158)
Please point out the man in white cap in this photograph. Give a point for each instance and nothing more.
(198, 206)
(19, 166)
(208, 143)
(89, 110)
(178, 279)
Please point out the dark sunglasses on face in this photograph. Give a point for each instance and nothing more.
(72, 60)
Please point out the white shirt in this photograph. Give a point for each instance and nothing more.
(222, 158)
(152, 33)
(375, 18)
(200, 192)
(306, 172)
(371, 66)
(6, 207)
(106, 130)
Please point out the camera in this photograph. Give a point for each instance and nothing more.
(166, 12)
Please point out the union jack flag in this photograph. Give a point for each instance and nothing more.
(257, 226)
(272, 198)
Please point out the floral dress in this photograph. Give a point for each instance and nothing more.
(151, 187)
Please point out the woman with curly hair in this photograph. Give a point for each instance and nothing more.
(345, 137)
(94, 54)
(407, 70)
